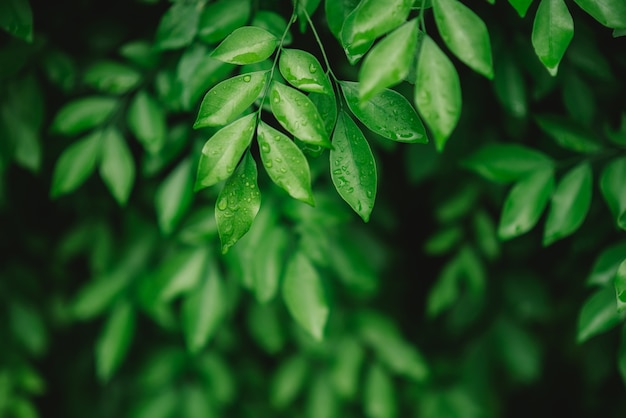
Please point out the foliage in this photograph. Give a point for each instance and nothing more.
(437, 228)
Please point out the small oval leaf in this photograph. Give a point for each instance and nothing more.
(553, 30)
(303, 71)
(599, 314)
(117, 167)
(174, 195)
(613, 191)
(221, 18)
(146, 120)
(83, 114)
(75, 164)
(111, 77)
(246, 45)
(114, 340)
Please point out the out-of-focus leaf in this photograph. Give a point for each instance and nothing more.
(146, 120)
(568, 135)
(194, 402)
(140, 53)
(379, 399)
(486, 235)
(174, 195)
(620, 286)
(114, 340)
(553, 30)
(345, 375)
(521, 6)
(336, 13)
(219, 19)
(613, 191)
(266, 328)
(606, 264)
(287, 381)
(178, 26)
(519, 349)
(179, 274)
(269, 265)
(274, 23)
(28, 327)
(16, 17)
(579, 100)
(246, 45)
(321, 399)
(598, 314)
(117, 167)
(111, 77)
(83, 114)
(76, 164)
(218, 376)
(610, 13)
(506, 162)
(510, 86)
(303, 71)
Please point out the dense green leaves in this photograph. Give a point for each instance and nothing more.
(612, 187)
(117, 167)
(389, 114)
(336, 13)
(83, 114)
(352, 167)
(437, 91)
(303, 71)
(246, 45)
(465, 34)
(552, 32)
(76, 164)
(506, 162)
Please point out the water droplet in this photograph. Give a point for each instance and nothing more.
(277, 138)
(247, 78)
(350, 189)
(369, 193)
(269, 164)
(312, 68)
(265, 147)
(230, 168)
(278, 160)
(276, 99)
(222, 204)
(337, 171)
(283, 170)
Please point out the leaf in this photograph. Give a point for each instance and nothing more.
(388, 63)
(388, 114)
(114, 340)
(327, 107)
(238, 203)
(521, 6)
(285, 163)
(305, 8)
(598, 314)
(203, 311)
(179, 274)
(379, 400)
(246, 45)
(352, 167)
(83, 114)
(619, 33)
(369, 20)
(336, 12)
(111, 77)
(303, 71)
(620, 286)
(274, 24)
(140, 53)
(610, 13)
(578, 98)
(27, 328)
(16, 17)
(117, 167)
(445, 292)
(304, 295)
(525, 203)
(219, 19)
(174, 195)
(570, 203)
(506, 162)
(345, 374)
(437, 91)
(178, 26)
(227, 100)
(298, 115)
(510, 86)
(606, 264)
(269, 264)
(75, 164)
(287, 381)
(465, 34)
(613, 191)
(553, 30)
(146, 120)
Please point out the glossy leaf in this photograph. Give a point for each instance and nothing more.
(174, 195)
(219, 19)
(238, 203)
(16, 17)
(352, 167)
(369, 20)
(388, 114)
(598, 314)
(506, 162)
(611, 13)
(114, 340)
(146, 120)
(76, 164)
(620, 286)
(388, 63)
(606, 264)
(303, 71)
(570, 203)
(336, 13)
(613, 191)
(227, 100)
(553, 30)
(246, 45)
(111, 77)
(465, 34)
(298, 115)
(178, 26)
(117, 167)
(521, 6)
(285, 163)
(303, 294)
(223, 150)
(525, 203)
(203, 310)
(83, 114)
(437, 91)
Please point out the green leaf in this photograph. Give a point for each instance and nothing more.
(606, 264)
(287, 381)
(179, 274)
(174, 195)
(238, 203)
(246, 45)
(83, 114)
(269, 264)
(465, 34)
(610, 13)
(273, 23)
(621, 360)
(303, 71)
(285, 163)
(223, 150)
(570, 203)
(598, 314)
(117, 167)
(221, 18)
(345, 374)
(178, 26)
(140, 53)
(369, 20)
(336, 13)
(27, 328)
(578, 98)
(446, 290)
(303, 294)
(111, 77)
(486, 235)
(305, 8)
(510, 86)
(327, 107)
(298, 115)
(553, 30)
(16, 17)
(613, 191)
(146, 120)
(352, 167)
(389, 114)
(227, 100)
(321, 400)
(506, 162)
(388, 63)
(379, 399)
(525, 203)
(265, 327)
(619, 33)
(620, 286)
(76, 164)
(203, 310)
(521, 6)
(437, 91)
(114, 340)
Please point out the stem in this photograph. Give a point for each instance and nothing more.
(421, 17)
